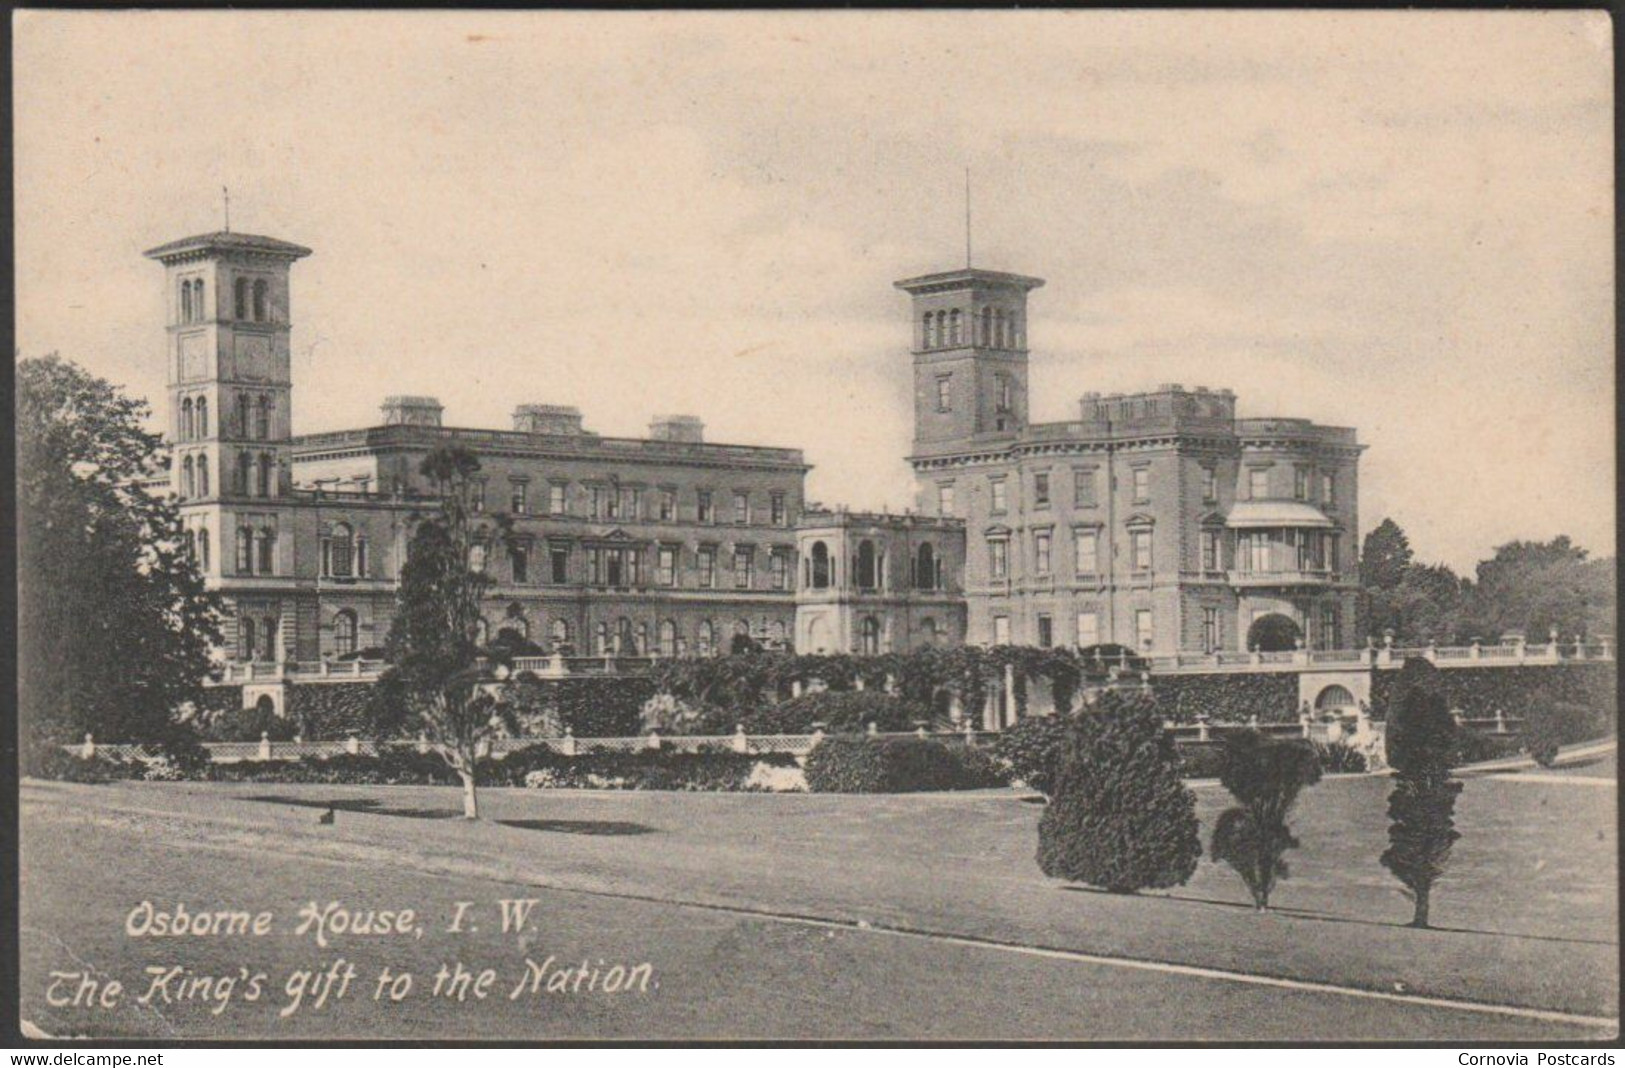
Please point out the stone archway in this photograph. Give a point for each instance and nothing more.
(1274, 633)
(1335, 698)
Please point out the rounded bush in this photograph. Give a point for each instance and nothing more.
(1032, 750)
(858, 765)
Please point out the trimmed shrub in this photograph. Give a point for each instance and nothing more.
(1422, 742)
(1550, 724)
(1227, 698)
(1475, 747)
(1480, 691)
(1032, 750)
(845, 764)
(1265, 775)
(328, 710)
(1120, 818)
(1200, 760)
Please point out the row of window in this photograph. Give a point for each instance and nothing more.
(1084, 493)
(1256, 551)
(251, 300)
(996, 327)
(194, 418)
(630, 503)
(624, 566)
(868, 568)
(1003, 396)
(1088, 631)
(256, 476)
(623, 637)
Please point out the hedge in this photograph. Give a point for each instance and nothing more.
(1479, 692)
(843, 764)
(1228, 697)
(327, 710)
(840, 712)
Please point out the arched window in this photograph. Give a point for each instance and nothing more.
(188, 483)
(482, 632)
(625, 644)
(269, 639)
(601, 639)
(191, 545)
(203, 475)
(203, 549)
(928, 631)
(865, 572)
(1000, 337)
(186, 302)
(642, 640)
(240, 293)
(925, 568)
(267, 552)
(200, 310)
(344, 633)
(262, 418)
(267, 474)
(476, 557)
(987, 326)
(668, 638)
(927, 332)
(955, 330)
(820, 566)
(340, 547)
(202, 423)
(705, 642)
(186, 419)
(776, 630)
(561, 634)
(245, 551)
(259, 301)
(360, 556)
(246, 636)
(245, 472)
(942, 329)
(244, 424)
(869, 633)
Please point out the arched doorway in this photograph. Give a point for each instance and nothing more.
(265, 706)
(1274, 633)
(1335, 699)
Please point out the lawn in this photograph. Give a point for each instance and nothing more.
(704, 888)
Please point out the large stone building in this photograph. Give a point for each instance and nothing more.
(668, 544)
(1155, 520)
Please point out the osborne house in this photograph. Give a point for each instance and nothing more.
(1157, 520)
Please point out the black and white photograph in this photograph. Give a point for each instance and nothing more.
(845, 526)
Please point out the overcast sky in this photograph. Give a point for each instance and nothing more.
(1399, 222)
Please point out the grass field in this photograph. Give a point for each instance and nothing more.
(807, 916)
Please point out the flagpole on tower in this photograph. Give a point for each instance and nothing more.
(967, 220)
(226, 195)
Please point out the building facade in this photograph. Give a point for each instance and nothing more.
(1156, 520)
(630, 546)
(873, 583)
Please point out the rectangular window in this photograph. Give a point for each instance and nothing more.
(1086, 552)
(555, 498)
(1328, 489)
(518, 497)
(1088, 629)
(1143, 635)
(1046, 632)
(1334, 555)
(1083, 488)
(519, 561)
(631, 502)
(598, 503)
(1305, 549)
(667, 574)
(704, 509)
(1142, 485)
(1300, 483)
(998, 558)
(744, 568)
(945, 498)
(1210, 550)
(1041, 490)
(559, 555)
(1041, 552)
(1210, 485)
(1210, 629)
(945, 395)
(779, 563)
(777, 513)
(595, 565)
(708, 567)
(1258, 552)
(1001, 630)
(1258, 484)
(741, 508)
(1142, 550)
(1004, 397)
(668, 505)
(1331, 629)
(999, 499)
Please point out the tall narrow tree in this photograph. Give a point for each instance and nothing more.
(1265, 775)
(1421, 744)
(437, 679)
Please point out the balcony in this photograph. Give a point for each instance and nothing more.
(1316, 577)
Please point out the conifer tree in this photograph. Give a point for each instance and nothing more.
(1421, 744)
(1120, 817)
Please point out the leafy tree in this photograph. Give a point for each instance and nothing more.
(114, 625)
(1536, 586)
(436, 679)
(1120, 817)
(1265, 775)
(1421, 744)
(1384, 557)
